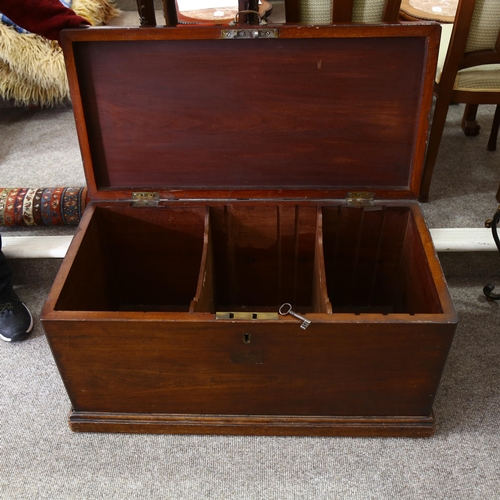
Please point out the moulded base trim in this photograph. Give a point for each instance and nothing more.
(271, 425)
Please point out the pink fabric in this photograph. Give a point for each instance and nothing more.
(43, 17)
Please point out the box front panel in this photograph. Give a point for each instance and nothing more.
(243, 368)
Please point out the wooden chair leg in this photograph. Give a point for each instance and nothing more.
(498, 194)
(438, 122)
(469, 123)
(170, 13)
(146, 11)
(492, 143)
(292, 11)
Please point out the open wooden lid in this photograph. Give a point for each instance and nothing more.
(285, 111)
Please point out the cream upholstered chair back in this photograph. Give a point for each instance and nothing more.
(328, 11)
(468, 72)
(368, 11)
(468, 53)
(484, 26)
(315, 11)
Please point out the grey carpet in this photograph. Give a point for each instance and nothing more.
(41, 459)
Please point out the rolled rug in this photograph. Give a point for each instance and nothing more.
(55, 206)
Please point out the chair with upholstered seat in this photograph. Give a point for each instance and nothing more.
(469, 73)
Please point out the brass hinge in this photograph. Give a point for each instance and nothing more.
(145, 199)
(360, 199)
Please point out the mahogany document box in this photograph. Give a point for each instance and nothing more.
(253, 259)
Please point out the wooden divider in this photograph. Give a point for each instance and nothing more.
(204, 300)
(256, 258)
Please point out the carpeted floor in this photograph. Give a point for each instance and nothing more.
(40, 458)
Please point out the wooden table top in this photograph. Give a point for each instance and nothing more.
(442, 11)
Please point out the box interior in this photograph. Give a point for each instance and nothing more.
(232, 257)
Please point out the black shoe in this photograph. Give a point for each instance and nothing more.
(16, 321)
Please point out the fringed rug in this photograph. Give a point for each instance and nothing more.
(55, 206)
(32, 70)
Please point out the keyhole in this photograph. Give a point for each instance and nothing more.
(246, 338)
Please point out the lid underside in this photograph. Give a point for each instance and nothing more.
(264, 114)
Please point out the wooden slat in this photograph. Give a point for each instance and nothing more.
(391, 11)
(342, 11)
(292, 11)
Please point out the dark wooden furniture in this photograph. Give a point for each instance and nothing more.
(492, 142)
(227, 15)
(232, 171)
(147, 16)
(459, 57)
(471, 127)
(173, 16)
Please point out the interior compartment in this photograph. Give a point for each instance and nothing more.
(252, 258)
(375, 261)
(260, 257)
(136, 259)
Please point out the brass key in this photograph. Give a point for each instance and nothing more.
(286, 308)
